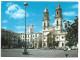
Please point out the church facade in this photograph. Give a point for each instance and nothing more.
(51, 33)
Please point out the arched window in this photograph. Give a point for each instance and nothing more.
(57, 23)
(62, 44)
(28, 36)
(44, 28)
(44, 37)
(44, 44)
(62, 37)
(57, 37)
(61, 23)
(31, 35)
(44, 24)
(57, 12)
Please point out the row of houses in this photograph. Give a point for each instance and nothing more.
(11, 39)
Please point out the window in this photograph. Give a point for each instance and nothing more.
(57, 12)
(57, 27)
(44, 37)
(23, 40)
(28, 35)
(44, 28)
(28, 40)
(57, 23)
(57, 37)
(61, 23)
(14, 40)
(62, 44)
(44, 44)
(44, 24)
(33, 39)
(33, 35)
(62, 37)
(23, 36)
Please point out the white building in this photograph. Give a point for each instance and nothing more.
(33, 39)
(30, 29)
(58, 28)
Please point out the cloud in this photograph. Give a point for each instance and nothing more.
(5, 21)
(8, 4)
(15, 11)
(71, 13)
(20, 27)
(4, 27)
(75, 6)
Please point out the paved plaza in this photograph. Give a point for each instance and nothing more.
(38, 53)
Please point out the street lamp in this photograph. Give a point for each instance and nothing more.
(25, 48)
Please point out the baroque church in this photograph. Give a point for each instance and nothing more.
(51, 33)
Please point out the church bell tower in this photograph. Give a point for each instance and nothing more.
(46, 20)
(58, 19)
(45, 26)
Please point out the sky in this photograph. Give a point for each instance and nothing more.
(13, 14)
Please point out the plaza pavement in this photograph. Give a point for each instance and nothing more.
(38, 53)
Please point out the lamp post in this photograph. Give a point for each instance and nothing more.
(25, 47)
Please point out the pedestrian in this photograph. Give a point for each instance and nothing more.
(66, 55)
(3, 48)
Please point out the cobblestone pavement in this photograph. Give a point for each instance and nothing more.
(38, 53)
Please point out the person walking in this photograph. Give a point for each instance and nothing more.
(3, 48)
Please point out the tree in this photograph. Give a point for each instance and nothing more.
(4, 42)
(69, 43)
(55, 43)
(72, 32)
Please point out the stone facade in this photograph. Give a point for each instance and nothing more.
(56, 30)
